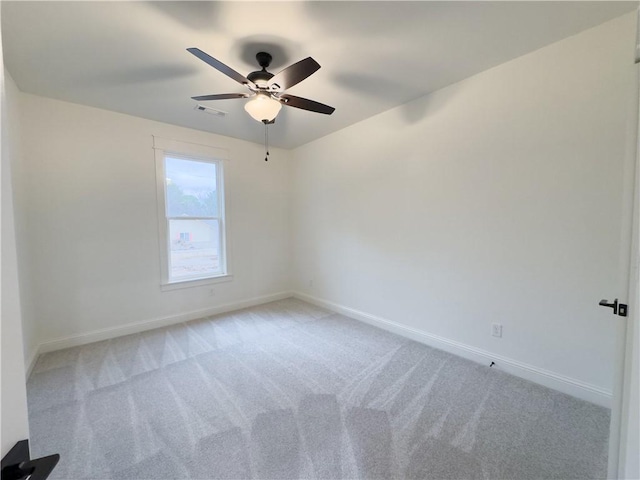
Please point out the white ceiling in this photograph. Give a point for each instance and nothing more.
(130, 57)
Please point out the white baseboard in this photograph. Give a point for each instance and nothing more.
(543, 377)
(136, 327)
(31, 361)
(562, 383)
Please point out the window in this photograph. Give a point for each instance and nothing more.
(191, 211)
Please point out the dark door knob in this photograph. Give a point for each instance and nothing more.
(618, 308)
(614, 305)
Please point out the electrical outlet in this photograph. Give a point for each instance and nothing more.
(212, 292)
(496, 330)
(310, 283)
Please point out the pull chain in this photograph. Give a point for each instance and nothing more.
(266, 140)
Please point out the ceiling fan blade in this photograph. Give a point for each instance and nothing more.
(221, 96)
(294, 74)
(306, 104)
(221, 67)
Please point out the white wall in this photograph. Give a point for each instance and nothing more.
(13, 400)
(497, 199)
(92, 228)
(20, 196)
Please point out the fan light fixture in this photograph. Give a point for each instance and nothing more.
(263, 108)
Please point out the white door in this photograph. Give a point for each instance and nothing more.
(624, 451)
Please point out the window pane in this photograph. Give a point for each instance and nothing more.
(194, 249)
(191, 188)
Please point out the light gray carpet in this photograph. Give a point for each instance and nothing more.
(288, 390)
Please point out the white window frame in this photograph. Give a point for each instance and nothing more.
(201, 153)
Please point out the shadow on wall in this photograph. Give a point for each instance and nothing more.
(391, 90)
(431, 104)
(417, 110)
(373, 86)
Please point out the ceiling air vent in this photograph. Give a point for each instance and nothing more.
(211, 111)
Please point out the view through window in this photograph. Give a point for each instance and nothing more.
(194, 215)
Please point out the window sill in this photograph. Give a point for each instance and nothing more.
(167, 287)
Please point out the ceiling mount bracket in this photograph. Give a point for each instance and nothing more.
(264, 59)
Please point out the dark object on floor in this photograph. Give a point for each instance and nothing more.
(17, 464)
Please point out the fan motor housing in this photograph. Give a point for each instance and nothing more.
(261, 76)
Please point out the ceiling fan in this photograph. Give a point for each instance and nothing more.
(265, 88)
